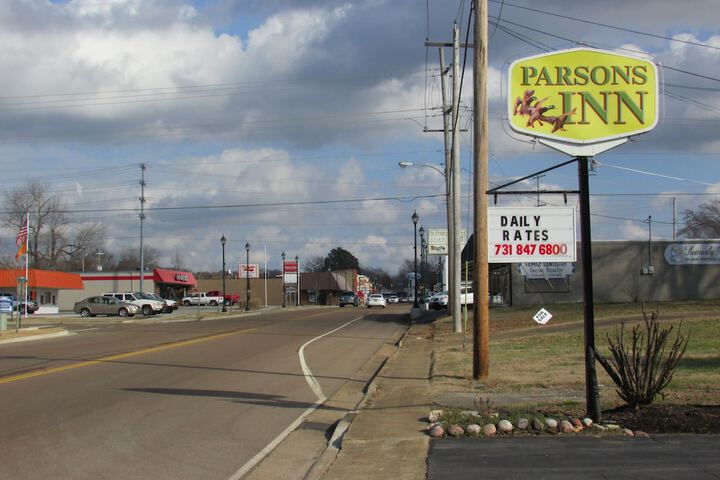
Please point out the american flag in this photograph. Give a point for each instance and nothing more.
(21, 236)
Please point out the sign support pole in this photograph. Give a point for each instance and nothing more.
(591, 386)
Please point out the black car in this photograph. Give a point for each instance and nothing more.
(32, 307)
(348, 298)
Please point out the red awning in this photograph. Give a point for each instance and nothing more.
(174, 277)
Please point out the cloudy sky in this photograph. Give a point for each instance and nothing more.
(281, 122)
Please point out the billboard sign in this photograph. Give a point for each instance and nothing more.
(249, 270)
(531, 234)
(438, 240)
(582, 96)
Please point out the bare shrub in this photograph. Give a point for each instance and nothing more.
(639, 364)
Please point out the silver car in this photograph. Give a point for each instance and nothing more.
(92, 306)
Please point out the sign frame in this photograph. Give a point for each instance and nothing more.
(532, 234)
(565, 69)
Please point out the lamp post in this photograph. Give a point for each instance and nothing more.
(415, 219)
(422, 262)
(283, 279)
(247, 276)
(297, 285)
(223, 240)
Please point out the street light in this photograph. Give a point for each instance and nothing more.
(415, 219)
(422, 263)
(283, 279)
(297, 285)
(428, 165)
(223, 240)
(247, 276)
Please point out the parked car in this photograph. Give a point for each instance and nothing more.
(376, 300)
(393, 299)
(439, 301)
(19, 306)
(104, 305)
(348, 298)
(147, 304)
(170, 305)
(203, 298)
(230, 299)
(32, 307)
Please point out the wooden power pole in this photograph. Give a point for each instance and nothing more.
(481, 283)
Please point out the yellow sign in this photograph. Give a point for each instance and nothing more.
(582, 96)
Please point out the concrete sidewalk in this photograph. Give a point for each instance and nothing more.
(386, 438)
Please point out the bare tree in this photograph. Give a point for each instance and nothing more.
(129, 258)
(54, 235)
(703, 222)
(178, 261)
(315, 264)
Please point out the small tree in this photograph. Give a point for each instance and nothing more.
(642, 369)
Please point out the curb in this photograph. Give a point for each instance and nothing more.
(334, 445)
(42, 336)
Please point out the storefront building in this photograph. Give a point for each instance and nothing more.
(172, 284)
(45, 287)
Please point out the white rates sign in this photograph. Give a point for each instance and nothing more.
(531, 234)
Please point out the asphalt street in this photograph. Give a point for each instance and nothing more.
(692, 457)
(175, 400)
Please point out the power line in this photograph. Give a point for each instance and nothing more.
(251, 205)
(605, 25)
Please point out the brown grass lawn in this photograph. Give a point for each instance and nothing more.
(528, 360)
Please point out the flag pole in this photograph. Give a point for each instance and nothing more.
(27, 261)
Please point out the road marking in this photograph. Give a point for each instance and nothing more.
(87, 329)
(314, 385)
(309, 377)
(111, 358)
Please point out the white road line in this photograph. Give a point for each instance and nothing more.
(87, 329)
(314, 386)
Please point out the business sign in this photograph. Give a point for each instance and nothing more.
(582, 97)
(6, 305)
(290, 278)
(542, 316)
(546, 271)
(290, 266)
(438, 240)
(531, 234)
(693, 254)
(249, 270)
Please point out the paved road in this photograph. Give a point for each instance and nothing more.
(174, 400)
(662, 457)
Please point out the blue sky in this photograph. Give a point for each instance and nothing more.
(299, 107)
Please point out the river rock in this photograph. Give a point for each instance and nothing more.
(587, 422)
(538, 425)
(577, 423)
(566, 427)
(505, 426)
(437, 431)
(551, 423)
(455, 431)
(489, 430)
(523, 424)
(435, 416)
(641, 434)
(628, 432)
(473, 430)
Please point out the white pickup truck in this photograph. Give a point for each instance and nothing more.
(202, 298)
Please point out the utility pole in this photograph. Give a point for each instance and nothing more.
(454, 240)
(448, 171)
(481, 312)
(142, 219)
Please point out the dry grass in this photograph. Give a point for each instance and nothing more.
(527, 360)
